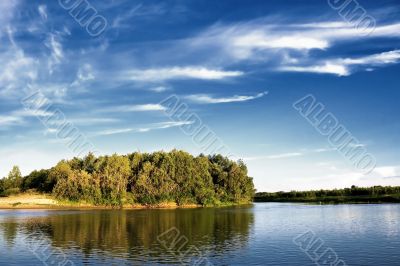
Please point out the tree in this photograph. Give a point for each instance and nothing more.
(147, 178)
(89, 163)
(37, 180)
(114, 175)
(62, 171)
(13, 182)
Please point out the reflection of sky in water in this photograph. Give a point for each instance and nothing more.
(261, 235)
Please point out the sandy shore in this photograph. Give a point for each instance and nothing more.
(27, 201)
(43, 201)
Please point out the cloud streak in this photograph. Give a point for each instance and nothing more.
(208, 99)
(288, 154)
(290, 47)
(246, 40)
(346, 66)
(274, 156)
(171, 73)
(147, 128)
(135, 108)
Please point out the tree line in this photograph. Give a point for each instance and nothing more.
(140, 178)
(354, 193)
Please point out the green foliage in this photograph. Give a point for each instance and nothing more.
(37, 180)
(353, 194)
(12, 183)
(145, 178)
(114, 173)
(79, 186)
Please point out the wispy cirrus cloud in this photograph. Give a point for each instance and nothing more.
(209, 99)
(303, 152)
(7, 12)
(145, 128)
(17, 70)
(42, 9)
(57, 55)
(135, 108)
(18, 116)
(9, 120)
(275, 156)
(248, 39)
(325, 68)
(171, 73)
(289, 46)
(346, 66)
(159, 89)
(93, 120)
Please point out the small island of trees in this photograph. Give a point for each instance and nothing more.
(140, 178)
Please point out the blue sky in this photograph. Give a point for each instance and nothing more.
(239, 65)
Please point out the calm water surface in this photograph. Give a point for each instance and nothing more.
(261, 234)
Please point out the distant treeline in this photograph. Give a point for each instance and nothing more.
(140, 178)
(354, 194)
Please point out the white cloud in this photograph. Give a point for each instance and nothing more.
(323, 150)
(85, 73)
(135, 108)
(346, 66)
(208, 99)
(7, 11)
(31, 113)
(326, 68)
(285, 155)
(286, 47)
(147, 128)
(247, 40)
(304, 152)
(274, 156)
(43, 11)
(160, 74)
(390, 57)
(17, 117)
(163, 125)
(17, 70)
(252, 40)
(9, 120)
(387, 171)
(159, 89)
(144, 108)
(118, 22)
(260, 40)
(113, 131)
(93, 120)
(57, 54)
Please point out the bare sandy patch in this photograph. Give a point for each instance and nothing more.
(27, 200)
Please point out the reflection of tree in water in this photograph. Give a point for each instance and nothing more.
(9, 230)
(135, 233)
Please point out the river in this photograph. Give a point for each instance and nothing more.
(259, 234)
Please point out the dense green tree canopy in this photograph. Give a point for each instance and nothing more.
(144, 178)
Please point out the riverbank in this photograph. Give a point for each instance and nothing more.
(27, 201)
(335, 199)
(354, 194)
(46, 201)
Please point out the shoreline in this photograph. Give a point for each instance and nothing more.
(74, 207)
(334, 201)
(36, 201)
